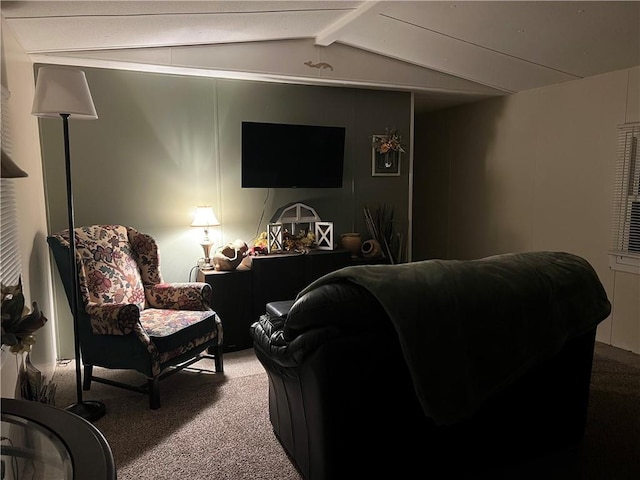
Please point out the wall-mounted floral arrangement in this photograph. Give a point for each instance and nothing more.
(386, 151)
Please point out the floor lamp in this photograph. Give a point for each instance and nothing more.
(64, 93)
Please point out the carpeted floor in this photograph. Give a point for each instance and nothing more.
(612, 437)
(217, 426)
(611, 446)
(210, 426)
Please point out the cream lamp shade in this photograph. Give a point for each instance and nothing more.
(205, 218)
(61, 90)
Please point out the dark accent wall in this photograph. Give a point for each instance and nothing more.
(164, 144)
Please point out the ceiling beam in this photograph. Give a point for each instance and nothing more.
(330, 34)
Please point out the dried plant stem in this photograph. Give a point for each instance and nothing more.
(380, 228)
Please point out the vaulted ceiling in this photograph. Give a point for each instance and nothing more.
(448, 52)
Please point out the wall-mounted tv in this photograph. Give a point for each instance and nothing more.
(281, 155)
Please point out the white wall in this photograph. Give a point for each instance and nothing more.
(17, 77)
(531, 171)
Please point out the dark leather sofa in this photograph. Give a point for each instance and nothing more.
(434, 369)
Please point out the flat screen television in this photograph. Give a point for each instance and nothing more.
(281, 155)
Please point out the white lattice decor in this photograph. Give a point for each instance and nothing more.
(274, 237)
(324, 235)
(296, 216)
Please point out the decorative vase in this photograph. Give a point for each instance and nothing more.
(371, 249)
(352, 242)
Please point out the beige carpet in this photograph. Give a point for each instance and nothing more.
(213, 426)
(611, 446)
(195, 433)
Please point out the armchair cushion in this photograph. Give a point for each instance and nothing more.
(173, 329)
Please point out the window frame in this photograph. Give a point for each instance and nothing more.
(624, 251)
(10, 253)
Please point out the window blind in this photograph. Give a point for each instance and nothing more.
(625, 235)
(10, 261)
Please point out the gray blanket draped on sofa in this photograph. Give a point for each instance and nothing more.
(468, 329)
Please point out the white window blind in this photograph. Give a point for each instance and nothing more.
(625, 235)
(10, 262)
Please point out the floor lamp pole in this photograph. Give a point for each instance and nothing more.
(90, 410)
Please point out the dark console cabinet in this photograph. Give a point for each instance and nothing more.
(275, 278)
(240, 296)
(231, 300)
(282, 276)
(322, 262)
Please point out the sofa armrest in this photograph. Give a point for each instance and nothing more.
(332, 311)
(343, 303)
(270, 339)
(112, 319)
(179, 296)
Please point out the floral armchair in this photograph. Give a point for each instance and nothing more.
(128, 317)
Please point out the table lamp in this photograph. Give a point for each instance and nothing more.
(205, 218)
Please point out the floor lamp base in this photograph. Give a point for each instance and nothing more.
(89, 409)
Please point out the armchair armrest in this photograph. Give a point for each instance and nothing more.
(179, 296)
(112, 319)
